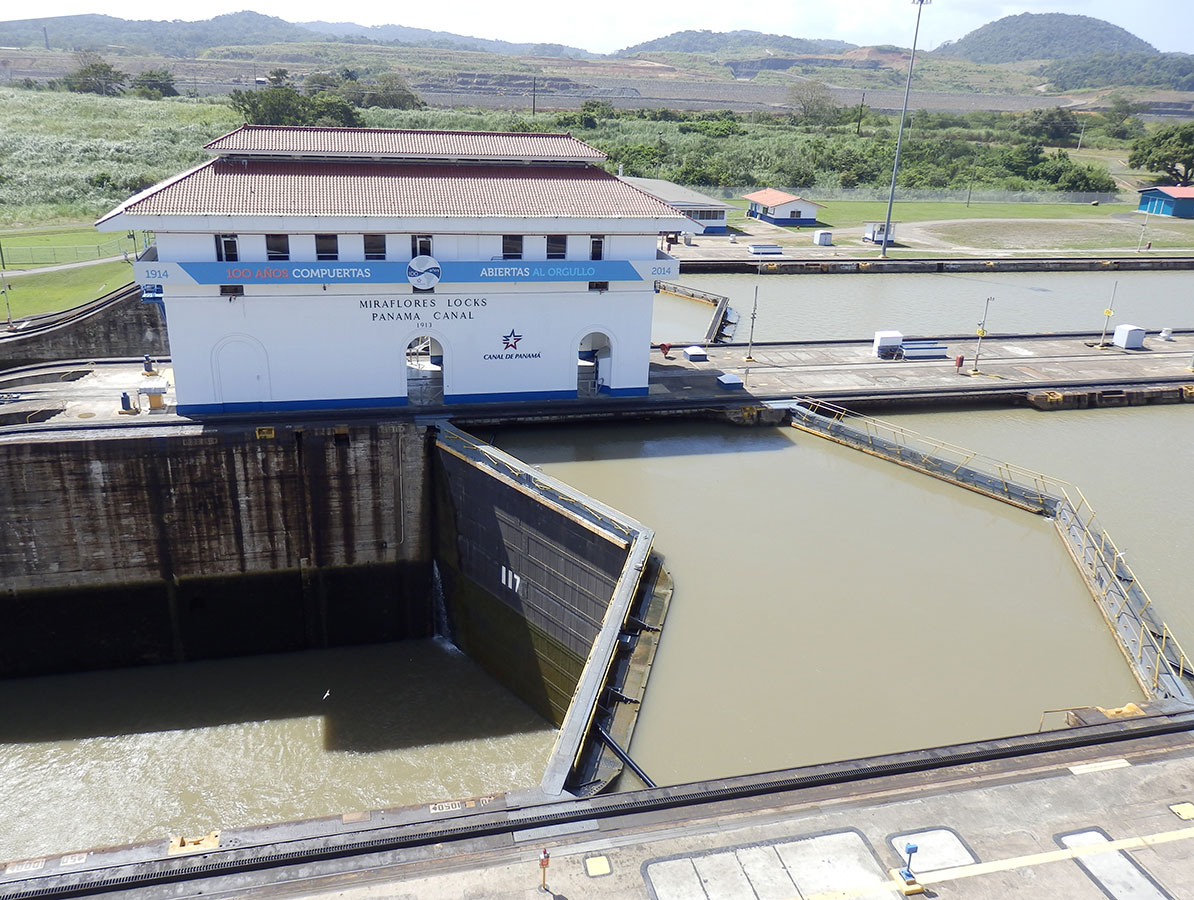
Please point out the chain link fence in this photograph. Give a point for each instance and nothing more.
(17, 257)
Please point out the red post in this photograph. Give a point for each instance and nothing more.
(958, 363)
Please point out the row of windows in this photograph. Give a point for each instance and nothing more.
(327, 246)
(702, 215)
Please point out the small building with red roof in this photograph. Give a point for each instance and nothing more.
(1168, 201)
(780, 208)
(341, 268)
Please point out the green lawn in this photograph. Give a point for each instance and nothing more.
(57, 244)
(855, 213)
(52, 291)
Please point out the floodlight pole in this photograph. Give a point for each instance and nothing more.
(900, 132)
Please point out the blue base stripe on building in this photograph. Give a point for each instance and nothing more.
(515, 396)
(624, 392)
(198, 409)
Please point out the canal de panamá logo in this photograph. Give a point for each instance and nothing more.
(423, 272)
(510, 349)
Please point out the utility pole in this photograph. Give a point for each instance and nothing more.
(895, 169)
(534, 95)
(861, 107)
(982, 333)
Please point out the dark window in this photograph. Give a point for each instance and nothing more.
(277, 247)
(226, 248)
(417, 290)
(232, 290)
(557, 246)
(420, 245)
(597, 247)
(511, 246)
(375, 246)
(326, 246)
(598, 285)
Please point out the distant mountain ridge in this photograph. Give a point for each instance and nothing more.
(427, 37)
(722, 41)
(1043, 36)
(183, 39)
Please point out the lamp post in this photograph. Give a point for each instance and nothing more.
(1143, 228)
(900, 132)
(1108, 313)
(981, 332)
(750, 345)
(7, 307)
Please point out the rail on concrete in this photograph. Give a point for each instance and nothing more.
(721, 305)
(1156, 658)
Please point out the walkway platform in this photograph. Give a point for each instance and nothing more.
(1046, 370)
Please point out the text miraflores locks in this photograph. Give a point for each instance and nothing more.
(406, 309)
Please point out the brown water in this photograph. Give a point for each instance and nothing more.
(830, 605)
(824, 307)
(827, 605)
(142, 754)
(1132, 464)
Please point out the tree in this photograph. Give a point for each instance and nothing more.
(94, 76)
(1169, 149)
(277, 77)
(271, 106)
(814, 103)
(159, 80)
(390, 91)
(1055, 124)
(286, 106)
(320, 81)
(1121, 117)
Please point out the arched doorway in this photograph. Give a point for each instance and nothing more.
(424, 371)
(593, 360)
(241, 371)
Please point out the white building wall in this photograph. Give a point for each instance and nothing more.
(352, 247)
(317, 348)
(302, 247)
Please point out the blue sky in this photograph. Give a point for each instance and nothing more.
(610, 25)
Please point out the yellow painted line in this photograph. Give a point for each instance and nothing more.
(1084, 768)
(1015, 862)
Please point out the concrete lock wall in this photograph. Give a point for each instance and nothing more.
(205, 543)
(117, 326)
(526, 586)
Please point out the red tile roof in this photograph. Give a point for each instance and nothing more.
(772, 197)
(1178, 193)
(292, 188)
(381, 143)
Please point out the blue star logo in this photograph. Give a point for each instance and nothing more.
(511, 340)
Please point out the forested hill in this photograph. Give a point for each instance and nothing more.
(1043, 36)
(722, 41)
(425, 37)
(1170, 71)
(94, 32)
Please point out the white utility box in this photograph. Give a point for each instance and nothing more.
(729, 380)
(823, 238)
(695, 354)
(1129, 337)
(887, 343)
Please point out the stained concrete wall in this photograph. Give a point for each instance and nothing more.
(117, 326)
(195, 543)
(526, 585)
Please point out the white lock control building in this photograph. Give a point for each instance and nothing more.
(337, 268)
